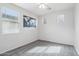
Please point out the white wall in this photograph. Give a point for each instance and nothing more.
(76, 41)
(25, 35)
(54, 32)
(60, 33)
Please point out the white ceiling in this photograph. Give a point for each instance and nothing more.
(33, 7)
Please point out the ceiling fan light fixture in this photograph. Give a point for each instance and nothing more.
(42, 6)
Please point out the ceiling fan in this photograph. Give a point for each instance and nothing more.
(44, 6)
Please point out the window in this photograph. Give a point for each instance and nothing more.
(29, 21)
(9, 21)
(60, 18)
(9, 27)
(9, 13)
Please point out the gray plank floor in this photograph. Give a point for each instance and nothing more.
(43, 48)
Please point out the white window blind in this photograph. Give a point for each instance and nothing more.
(9, 21)
(10, 27)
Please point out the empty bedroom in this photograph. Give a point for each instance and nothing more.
(39, 29)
